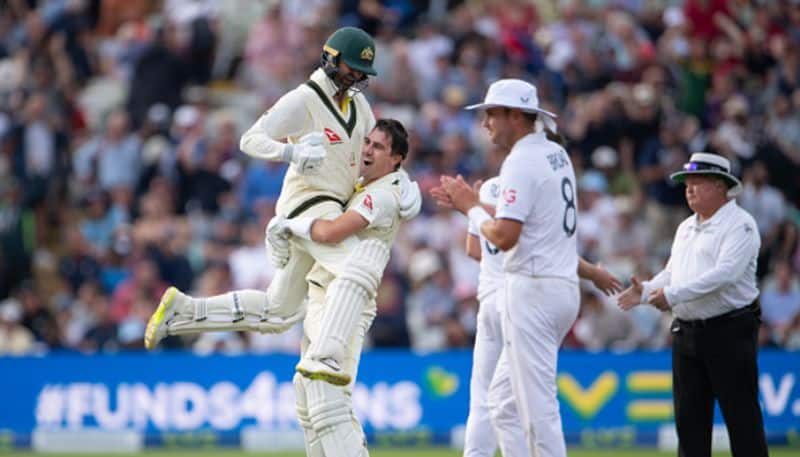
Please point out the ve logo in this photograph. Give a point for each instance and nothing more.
(440, 382)
(589, 401)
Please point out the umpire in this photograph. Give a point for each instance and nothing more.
(709, 284)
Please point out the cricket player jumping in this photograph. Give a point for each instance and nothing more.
(325, 121)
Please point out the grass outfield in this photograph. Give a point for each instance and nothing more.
(426, 452)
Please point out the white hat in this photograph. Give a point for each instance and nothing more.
(703, 163)
(490, 191)
(517, 94)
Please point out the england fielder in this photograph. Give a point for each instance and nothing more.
(499, 410)
(535, 223)
(339, 313)
(325, 121)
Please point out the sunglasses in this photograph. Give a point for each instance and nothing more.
(700, 166)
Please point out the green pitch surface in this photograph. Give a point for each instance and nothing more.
(427, 452)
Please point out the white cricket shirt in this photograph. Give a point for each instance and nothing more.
(712, 266)
(537, 188)
(379, 204)
(490, 277)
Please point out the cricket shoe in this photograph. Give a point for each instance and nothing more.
(172, 302)
(327, 370)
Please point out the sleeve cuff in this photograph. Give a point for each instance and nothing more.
(288, 151)
(670, 295)
(477, 216)
(645, 292)
(301, 227)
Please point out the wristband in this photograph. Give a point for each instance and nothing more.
(301, 227)
(477, 216)
(287, 153)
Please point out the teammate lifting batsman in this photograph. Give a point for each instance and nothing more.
(324, 122)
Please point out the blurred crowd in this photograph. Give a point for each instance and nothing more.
(120, 172)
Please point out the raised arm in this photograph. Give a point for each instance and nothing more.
(266, 138)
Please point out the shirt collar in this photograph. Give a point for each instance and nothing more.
(536, 137)
(389, 177)
(324, 82)
(718, 217)
(533, 137)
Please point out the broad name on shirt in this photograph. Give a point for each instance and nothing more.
(558, 159)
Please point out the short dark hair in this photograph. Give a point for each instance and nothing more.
(398, 134)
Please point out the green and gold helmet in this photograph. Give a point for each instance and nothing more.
(352, 46)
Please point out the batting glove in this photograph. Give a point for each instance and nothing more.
(307, 154)
(278, 242)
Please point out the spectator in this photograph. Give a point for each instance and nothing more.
(597, 212)
(389, 327)
(145, 282)
(664, 209)
(430, 303)
(780, 300)
(15, 339)
(102, 335)
(623, 245)
(38, 318)
(78, 267)
(112, 159)
(17, 236)
(37, 149)
(766, 204)
(158, 76)
(99, 223)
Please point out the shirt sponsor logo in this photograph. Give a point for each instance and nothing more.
(333, 137)
(494, 190)
(510, 196)
(368, 202)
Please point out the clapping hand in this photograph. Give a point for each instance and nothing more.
(459, 195)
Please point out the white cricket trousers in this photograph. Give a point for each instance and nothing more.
(537, 314)
(508, 433)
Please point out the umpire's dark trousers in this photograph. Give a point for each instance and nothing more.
(716, 359)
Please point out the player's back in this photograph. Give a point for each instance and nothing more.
(538, 189)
